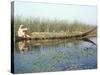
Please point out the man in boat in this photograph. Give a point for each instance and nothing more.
(23, 32)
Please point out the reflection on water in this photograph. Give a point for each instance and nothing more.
(90, 41)
(23, 46)
(55, 55)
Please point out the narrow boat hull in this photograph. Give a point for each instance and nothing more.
(21, 38)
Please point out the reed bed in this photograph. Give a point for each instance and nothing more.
(47, 28)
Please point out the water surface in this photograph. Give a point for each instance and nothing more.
(55, 55)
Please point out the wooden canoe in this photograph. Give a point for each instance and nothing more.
(77, 36)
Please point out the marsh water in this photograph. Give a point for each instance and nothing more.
(55, 55)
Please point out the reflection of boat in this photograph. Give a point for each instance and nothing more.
(56, 41)
(90, 41)
(25, 45)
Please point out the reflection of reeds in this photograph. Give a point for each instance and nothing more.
(45, 25)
